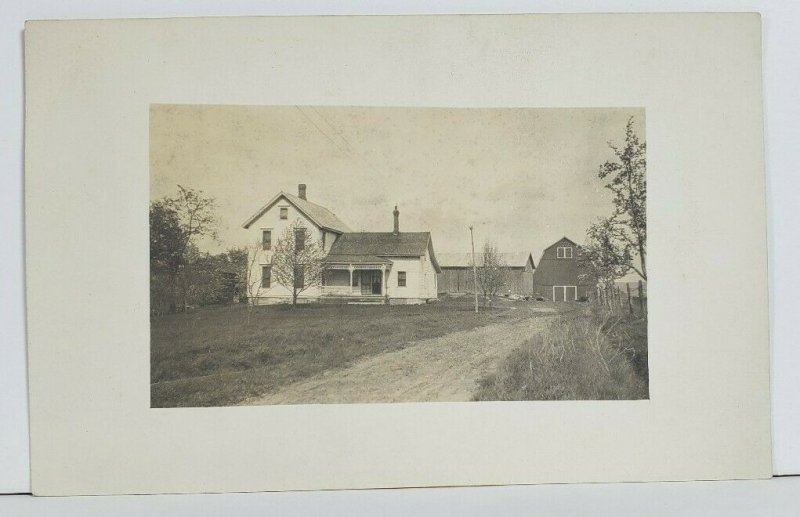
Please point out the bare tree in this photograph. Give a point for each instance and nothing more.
(297, 260)
(624, 233)
(492, 272)
(197, 219)
(251, 278)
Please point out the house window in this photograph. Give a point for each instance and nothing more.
(299, 277)
(299, 239)
(266, 239)
(284, 212)
(266, 276)
(401, 279)
(564, 252)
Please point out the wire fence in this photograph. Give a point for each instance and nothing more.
(630, 297)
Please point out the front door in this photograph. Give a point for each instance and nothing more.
(370, 282)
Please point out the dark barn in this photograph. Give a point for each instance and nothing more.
(558, 276)
(457, 276)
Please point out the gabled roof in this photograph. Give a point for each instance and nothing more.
(318, 214)
(510, 259)
(555, 271)
(562, 239)
(383, 244)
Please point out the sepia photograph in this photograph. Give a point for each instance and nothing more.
(394, 251)
(337, 254)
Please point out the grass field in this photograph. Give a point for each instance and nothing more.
(221, 356)
(586, 354)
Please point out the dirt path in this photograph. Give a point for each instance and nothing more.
(439, 369)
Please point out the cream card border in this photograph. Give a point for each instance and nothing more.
(88, 88)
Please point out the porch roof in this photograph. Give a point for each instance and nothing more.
(356, 259)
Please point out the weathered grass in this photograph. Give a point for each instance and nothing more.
(588, 354)
(221, 356)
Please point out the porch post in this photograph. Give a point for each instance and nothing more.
(350, 285)
(383, 279)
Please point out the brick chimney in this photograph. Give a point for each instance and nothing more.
(396, 221)
(301, 191)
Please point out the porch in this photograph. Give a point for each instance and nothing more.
(358, 280)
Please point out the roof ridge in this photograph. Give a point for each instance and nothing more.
(390, 233)
(324, 217)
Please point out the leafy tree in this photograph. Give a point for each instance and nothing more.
(214, 278)
(237, 261)
(297, 260)
(491, 272)
(176, 224)
(166, 256)
(602, 259)
(616, 241)
(166, 237)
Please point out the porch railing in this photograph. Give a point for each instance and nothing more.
(343, 290)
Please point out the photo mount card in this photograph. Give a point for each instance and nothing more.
(411, 156)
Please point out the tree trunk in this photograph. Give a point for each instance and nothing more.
(641, 298)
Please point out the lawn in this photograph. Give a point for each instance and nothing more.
(221, 356)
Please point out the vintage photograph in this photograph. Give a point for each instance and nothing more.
(318, 254)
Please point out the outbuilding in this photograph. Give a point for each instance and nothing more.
(558, 277)
(457, 275)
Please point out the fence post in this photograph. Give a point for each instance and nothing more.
(630, 305)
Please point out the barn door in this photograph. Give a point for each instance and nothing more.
(571, 293)
(558, 293)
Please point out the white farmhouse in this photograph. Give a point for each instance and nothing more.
(381, 267)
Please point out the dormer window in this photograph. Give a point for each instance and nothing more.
(564, 252)
(284, 212)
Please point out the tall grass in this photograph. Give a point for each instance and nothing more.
(588, 354)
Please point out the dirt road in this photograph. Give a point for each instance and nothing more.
(439, 369)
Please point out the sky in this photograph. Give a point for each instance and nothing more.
(522, 177)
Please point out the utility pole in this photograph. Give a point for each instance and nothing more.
(474, 268)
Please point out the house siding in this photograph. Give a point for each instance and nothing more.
(270, 219)
(430, 278)
(414, 276)
(363, 248)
